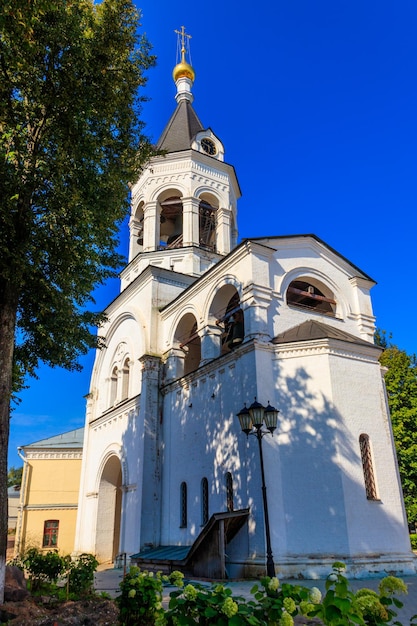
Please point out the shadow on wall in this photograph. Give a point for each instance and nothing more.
(313, 466)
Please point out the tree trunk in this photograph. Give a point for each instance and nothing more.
(8, 313)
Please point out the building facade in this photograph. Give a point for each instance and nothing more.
(203, 325)
(49, 493)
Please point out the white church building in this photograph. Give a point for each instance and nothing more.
(202, 326)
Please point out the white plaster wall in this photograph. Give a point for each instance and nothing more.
(121, 434)
(327, 400)
(317, 504)
(201, 440)
(374, 525)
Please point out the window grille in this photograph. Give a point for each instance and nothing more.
(50, 533)
(229, 492)
(204, 501)
(368, 471)
(183, 505)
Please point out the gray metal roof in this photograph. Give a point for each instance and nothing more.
(181, 129)
(71, 439)
(311, 329)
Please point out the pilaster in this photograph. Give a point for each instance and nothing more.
(149, 415)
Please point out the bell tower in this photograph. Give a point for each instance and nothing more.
(184, 205)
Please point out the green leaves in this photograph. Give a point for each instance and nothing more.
(71, 140)
(401, 385)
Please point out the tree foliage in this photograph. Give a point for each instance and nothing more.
(14, 476)
(401, 385)
(70, 141)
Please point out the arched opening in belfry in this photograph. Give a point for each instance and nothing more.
(171, 223)
(228, 316)
(187, 338)
(309, 294)
(109, 510)
(207, 224)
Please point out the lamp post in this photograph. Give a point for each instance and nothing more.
(251, 422)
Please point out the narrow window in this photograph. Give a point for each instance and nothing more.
(229, 492)
(183, 505)
(204, 502)
(113, 387)
(368, 471)
(125, 380)
(50, 533)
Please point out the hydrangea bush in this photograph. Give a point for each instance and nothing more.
(272, 604)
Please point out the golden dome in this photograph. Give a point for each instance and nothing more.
(183, 69)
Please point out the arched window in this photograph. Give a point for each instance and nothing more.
(125, 379)
(113, 387)
(171, 229)
(368, 470)
(183, 505)
(229, 492)
(304, 294)
(204, 501)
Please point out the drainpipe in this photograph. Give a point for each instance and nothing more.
(22, 502)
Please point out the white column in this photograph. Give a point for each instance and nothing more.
(190, 221)
(210, 343)
(223, 234)
(174, 365)
(255, 303)
(151, 227)
(135, 233)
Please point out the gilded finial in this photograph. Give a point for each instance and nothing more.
(183, 69)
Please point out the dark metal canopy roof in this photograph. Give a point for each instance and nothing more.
(312, 329)
(181, 129)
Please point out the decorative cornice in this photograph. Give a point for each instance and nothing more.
(355, 352)
(127, 410)
(128, 488)
(50, 507)
(211, 369)
(52, 454)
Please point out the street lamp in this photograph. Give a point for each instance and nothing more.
(251, 421)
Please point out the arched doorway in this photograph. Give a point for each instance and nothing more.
(109, 511)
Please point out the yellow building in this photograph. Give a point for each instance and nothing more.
(49, 493)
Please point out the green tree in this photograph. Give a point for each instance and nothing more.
(401, 384)
(70, 141)
(14, 476)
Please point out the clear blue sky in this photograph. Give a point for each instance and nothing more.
(316, 104)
